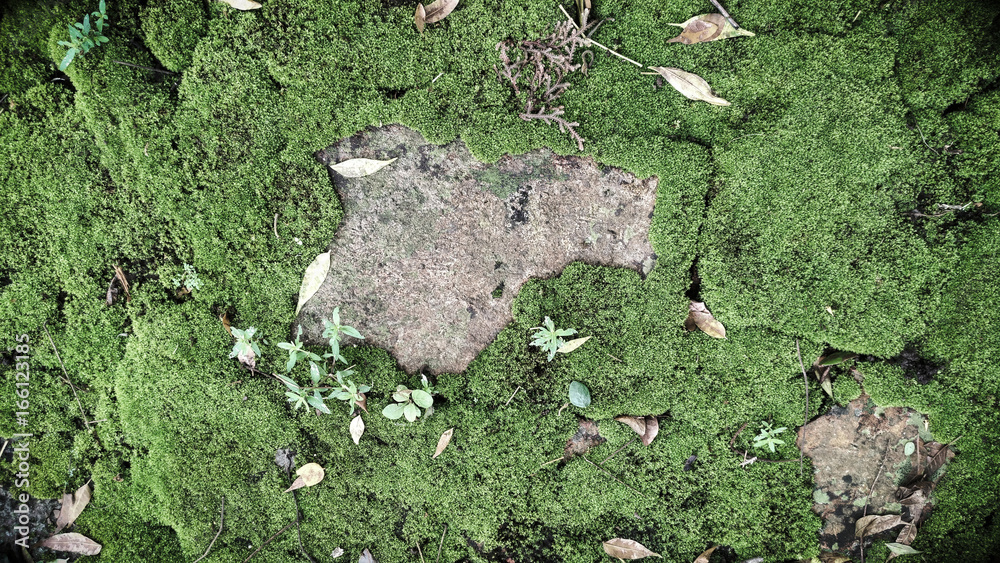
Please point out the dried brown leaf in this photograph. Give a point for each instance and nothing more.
(636, 423)
(420, 17)
(443, 442)
(705, 555)
(936, 455)
(652, 429)
(357, 428)
(708, 27)
(73, 543)
(120, 276)
(830, 557)
(691, 85)
(586, 437)
(439, 10)
(72, 506)
(907, 534)
(699, 316)
(871, 525)
(243, 4)
(225, 323)
(627, 549)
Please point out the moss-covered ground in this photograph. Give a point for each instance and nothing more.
(847, 116)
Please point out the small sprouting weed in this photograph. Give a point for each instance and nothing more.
(549, 339)
(408, 402)
(296, 351)
(188, 279)
(334, 331)
(83, 36)
(245, 349)
(767, 436)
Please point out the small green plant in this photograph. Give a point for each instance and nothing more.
(408, 402)
(767, 436)
(188, 279)
(296, 351)
(346, 390)
(333, 330)
(245, 349)
(549, 339)
(83, 36)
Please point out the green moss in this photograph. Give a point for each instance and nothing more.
(172, 30)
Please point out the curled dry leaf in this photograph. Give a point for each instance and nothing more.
(73, 543)
(439, 10)
(313, 278)
(587, 436)
(646, 427)
(699, 317)
(357, 428)
(420, 17)
(443, 442)
(627, 549)
(652, 429)
(308, 475)
(572, 345)
(907, 534)
(337, 552)
(704, 557)
(871, 525)
(708, 27)
(359, 167)
(636, 423)
(72, 506)
(243, 4)
(366, 557)
(691, 85)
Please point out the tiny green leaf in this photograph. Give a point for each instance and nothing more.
(579, 395)
(411, 412)
(422, 398)
(901, 549)
(67, 59)
(837, 357)
(909, 448)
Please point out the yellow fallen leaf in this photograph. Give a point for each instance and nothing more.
(443, 442)
(572, 345)
(698, 316)
(308, 475)
(243, 4)
(691, 85)
(313, 278)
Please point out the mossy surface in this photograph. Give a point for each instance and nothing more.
(820, 187)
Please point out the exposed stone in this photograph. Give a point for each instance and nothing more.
(434, 247)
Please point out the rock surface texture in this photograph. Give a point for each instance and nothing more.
(434, 247)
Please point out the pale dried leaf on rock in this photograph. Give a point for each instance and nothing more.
(243, 4)
(360, 167)
(443, 442)
(706, 555)
(73, 543)
(699, 317)
(627, 549)
(874, 524)
(707, 27)
(313, 278)
(357, 429)
(72, 506)
(691, 85)
(587, 436)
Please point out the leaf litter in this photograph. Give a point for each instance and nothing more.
(433, 12)
(647, 427)
(72, 543)
(313, 278)
(443, 442)
(699, 318)
(308, 475)
(72, 506)
(707, 27)
(627, 549)
(587, 436)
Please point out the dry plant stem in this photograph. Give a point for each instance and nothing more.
(613, 477)
(551, 461)
(596, 44)
(441, 543)
(805, 419)
(512, 396)
(4, 447)
(618, 450)
(725, 14)
(275, 226)
(144, 67)
(421, 553)
(222, 522)
(298, 528)
(75, 396)
(278, 533)
(925, 140)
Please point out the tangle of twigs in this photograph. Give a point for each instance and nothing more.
(540, 67)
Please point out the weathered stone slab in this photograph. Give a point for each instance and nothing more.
(434, 247)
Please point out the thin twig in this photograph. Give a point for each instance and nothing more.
(442, 543)
(618, 450)
(590, 41)
(868, 498)
(4, 447)
(724, 13)
(420, 552)
(275, 226)
(805, 419)
(613, 477)
(75, 396)
(550, 462)
(144, 67)
(290, 524)
(512, 396)
(222, 522)
(922, 137)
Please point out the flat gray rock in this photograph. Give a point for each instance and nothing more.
(434, 247)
